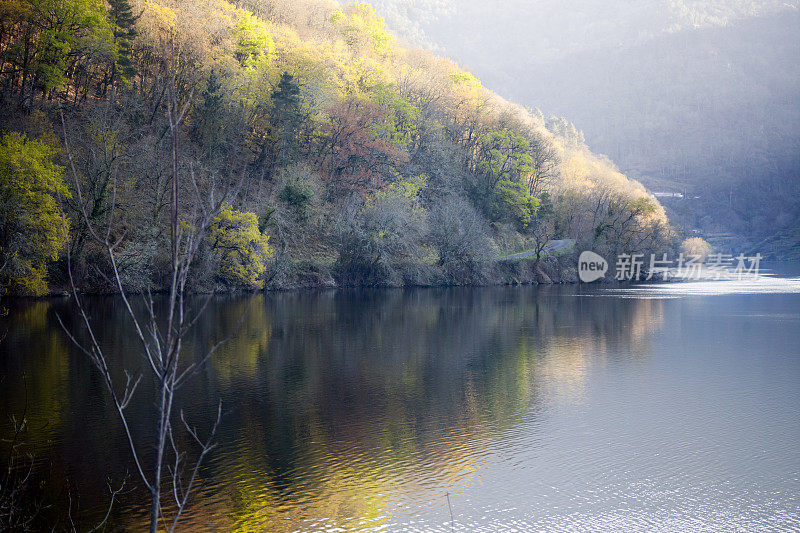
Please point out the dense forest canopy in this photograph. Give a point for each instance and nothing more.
(309, 144)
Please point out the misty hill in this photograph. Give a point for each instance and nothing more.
(704, 95)
(718, 103)
(547, 30)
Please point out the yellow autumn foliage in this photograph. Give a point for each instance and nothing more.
(242, 248)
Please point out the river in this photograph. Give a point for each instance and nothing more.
(582, 408)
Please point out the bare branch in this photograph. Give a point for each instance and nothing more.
(206, 447)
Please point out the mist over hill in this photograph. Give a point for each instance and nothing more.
(546, 30)
(699, 96)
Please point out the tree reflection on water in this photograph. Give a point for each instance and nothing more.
(341, 408)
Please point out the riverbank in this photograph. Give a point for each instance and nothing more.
(288, 275)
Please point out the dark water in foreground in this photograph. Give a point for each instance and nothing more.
(547, 409)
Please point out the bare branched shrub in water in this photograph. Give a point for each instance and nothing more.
(160, 338)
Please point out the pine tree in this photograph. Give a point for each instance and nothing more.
(286, 115)
(124, 21)
(209, 122)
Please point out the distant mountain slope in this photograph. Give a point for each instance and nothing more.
(699, 95)
(698, 105)
(545, 30)
(686, 90)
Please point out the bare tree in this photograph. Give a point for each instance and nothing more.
(542, 231)
(544, 161)
(160, 339)
(463, 241)
(15, 480)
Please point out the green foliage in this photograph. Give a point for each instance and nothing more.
(286, 117)
(296, 194)
(546, 208)
(286, 95)
(310, 130)
(465, 79)
(266, 218)
(505, 162)
(209, 115)
(410, 188)
(362, 28)
(243, 249)
(32, 228)
(504, 155)
(43, 43)
(401, 125)
(123, 23)
(253, 42)
(513, 201)
(68, 30)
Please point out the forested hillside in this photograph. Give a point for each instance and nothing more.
(696, 96)
(299, 142)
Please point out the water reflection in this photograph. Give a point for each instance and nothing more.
(342, 409)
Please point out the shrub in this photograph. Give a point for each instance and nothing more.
(32, 226)
(696, 246)
(463, 243)
(242, 248)
(296, 194)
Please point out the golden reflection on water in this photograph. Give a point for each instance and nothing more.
(344, 411)
(566, 358)
(41, 384)
(356, 480)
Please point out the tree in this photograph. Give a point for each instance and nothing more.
(503, 155)
(512, 202)
(31, 222)
(286, 116)
(401, 126)
(623, 222)
(377, 238)
(123, 23)
(161, 338)
(543, 226)
(253, 42)
(356, 156)
(544, 164)
(566, 130)
(696, 247)
(242, 248)
(46, 43)
(462, 241)
(208, 122)
(298, 194)
(504, 163)
(363, 29)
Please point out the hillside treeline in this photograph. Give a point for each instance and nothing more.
(302, 144)
(694, 96)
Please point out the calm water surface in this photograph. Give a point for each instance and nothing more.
(666, 408)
